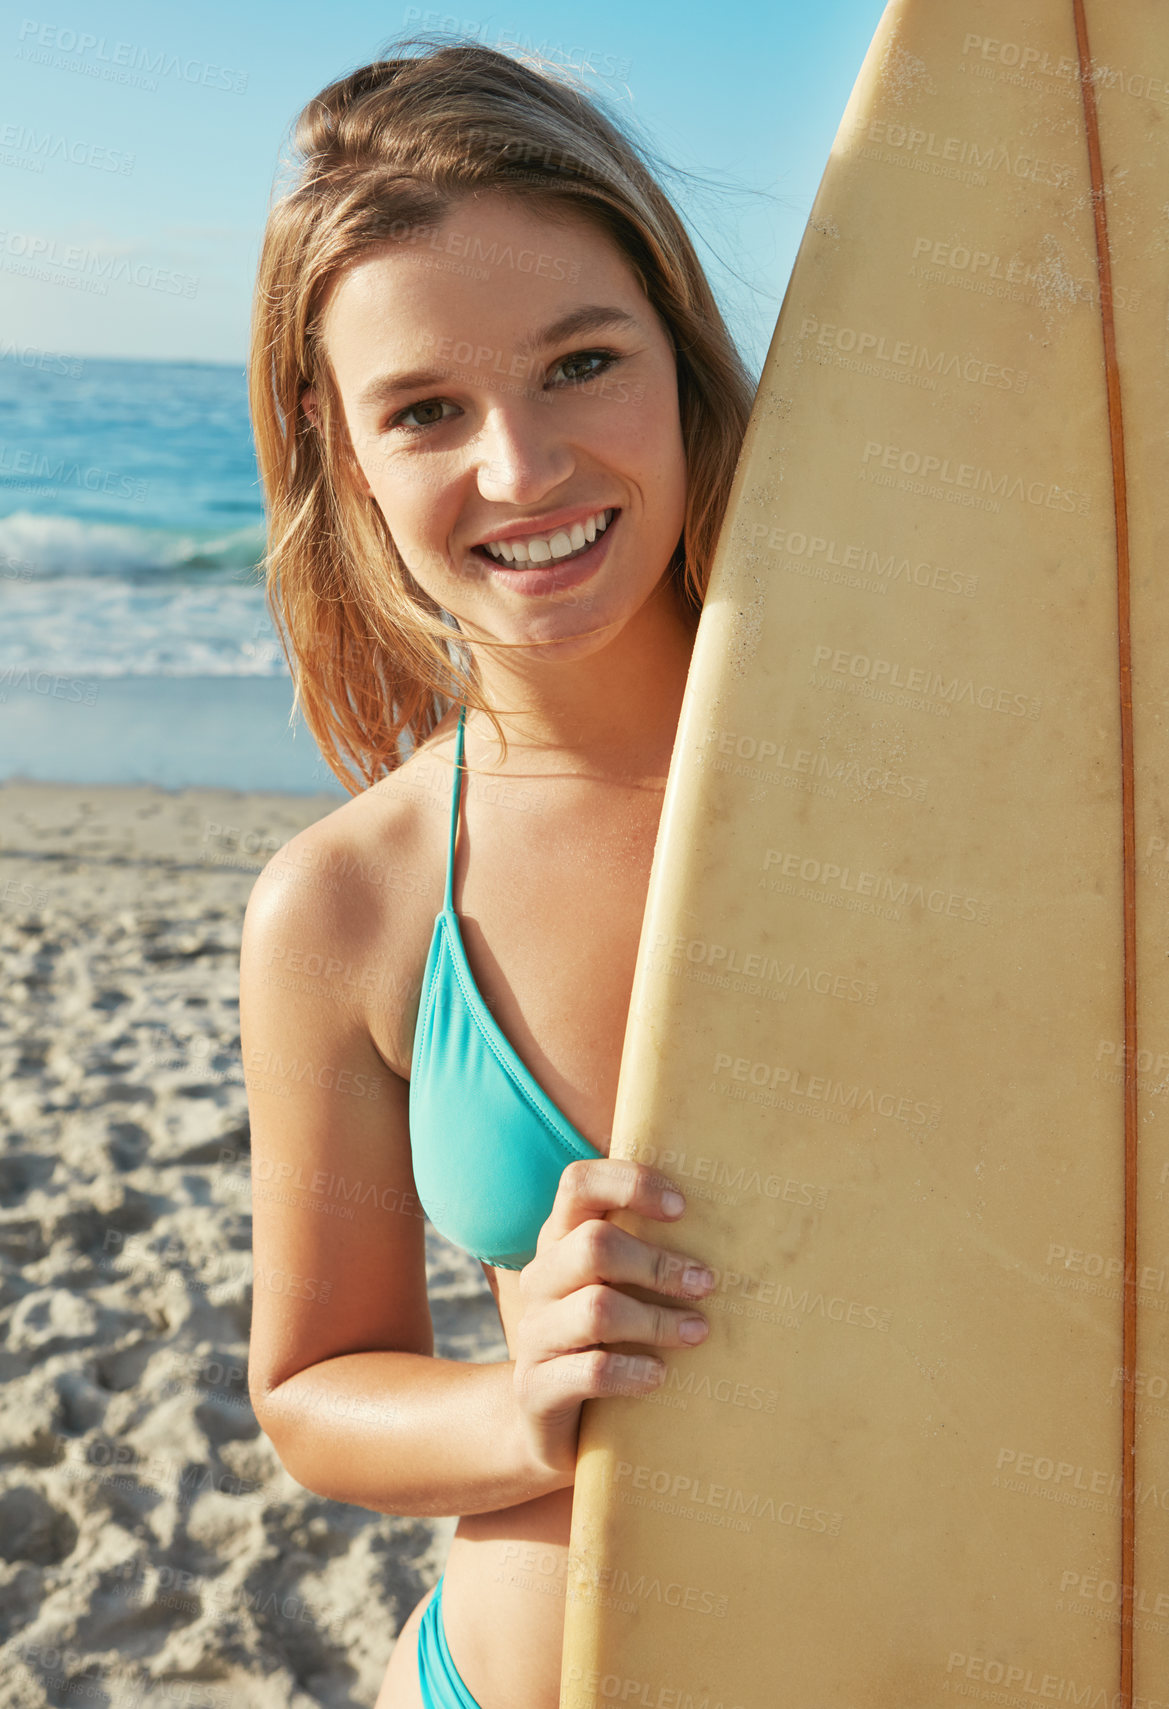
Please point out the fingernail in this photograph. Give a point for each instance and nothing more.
(696, 1280)
(673, 1203)
(693, 1328)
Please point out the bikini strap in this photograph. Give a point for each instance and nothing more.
(456, 793)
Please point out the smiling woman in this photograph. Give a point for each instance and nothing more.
(441, 483)
(396, 165)
(498, 415)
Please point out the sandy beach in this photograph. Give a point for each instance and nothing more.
(152, 1548)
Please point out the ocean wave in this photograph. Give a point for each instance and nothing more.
(39, 548)
(114, 626)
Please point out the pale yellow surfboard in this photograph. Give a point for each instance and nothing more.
(887, 1029)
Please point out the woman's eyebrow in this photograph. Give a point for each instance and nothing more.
(589, 318)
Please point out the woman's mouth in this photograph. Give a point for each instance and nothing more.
(548, 574)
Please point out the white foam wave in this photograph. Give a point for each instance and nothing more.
(40, 547)
(102, 626)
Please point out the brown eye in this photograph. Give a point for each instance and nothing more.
(605, 359)
(419, 409)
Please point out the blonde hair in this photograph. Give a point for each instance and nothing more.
(385, 151)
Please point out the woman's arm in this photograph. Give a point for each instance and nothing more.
(341, 1369)
(406, 1434)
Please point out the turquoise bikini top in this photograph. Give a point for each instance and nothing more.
(488, 1143)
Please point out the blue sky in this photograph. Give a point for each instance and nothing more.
(150, 133)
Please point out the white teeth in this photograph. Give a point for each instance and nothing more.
(543, 549)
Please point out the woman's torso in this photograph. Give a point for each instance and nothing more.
(550, 881)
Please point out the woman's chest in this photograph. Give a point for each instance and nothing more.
(551, 923)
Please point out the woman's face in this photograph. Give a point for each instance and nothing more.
(520, 406)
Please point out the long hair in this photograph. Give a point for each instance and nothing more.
(388, 151)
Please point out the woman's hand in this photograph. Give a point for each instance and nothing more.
(572, 1309)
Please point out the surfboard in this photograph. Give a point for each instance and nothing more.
(900, 1020)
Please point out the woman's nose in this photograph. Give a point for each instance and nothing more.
(519, 457)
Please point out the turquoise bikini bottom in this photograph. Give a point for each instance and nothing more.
(442, 1687)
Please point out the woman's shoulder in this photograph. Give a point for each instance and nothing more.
(381, 842)
(350, 901)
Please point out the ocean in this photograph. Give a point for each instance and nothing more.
(135, 643)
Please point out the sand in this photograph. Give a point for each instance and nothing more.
(152, 1548)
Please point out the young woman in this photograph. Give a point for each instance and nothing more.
(497, 414)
